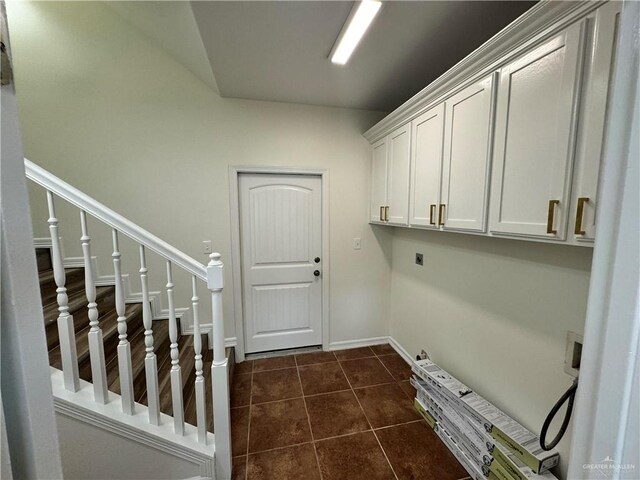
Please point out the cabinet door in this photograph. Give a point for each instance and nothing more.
(398, 176)
(535, 125)
(600, 60)
(378, 180)
(426, 164)
(467, 145)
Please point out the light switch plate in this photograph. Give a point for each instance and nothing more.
(357, 243)
(207, 246)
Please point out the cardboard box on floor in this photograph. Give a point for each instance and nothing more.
(477, 445)
(523, 444)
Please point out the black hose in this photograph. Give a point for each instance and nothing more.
(570, 394)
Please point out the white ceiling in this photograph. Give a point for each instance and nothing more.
(277, 50)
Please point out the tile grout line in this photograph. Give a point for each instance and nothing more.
(306, 410)
(368, 421)
(367, 430)
(333, 437)
(279, 448)
(399, 424)
(295, 359)
(350, 389)
(398, 381)
(414, 421)
(304, 396)
(385, 367)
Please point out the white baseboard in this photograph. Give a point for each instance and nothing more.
(362, 342)
(401, 350)
(368, 342)
(208, 328)
(42, 242)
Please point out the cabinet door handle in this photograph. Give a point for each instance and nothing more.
(386, 213)
(381, 213)
(579, 213)
(441, 215)
(432, 214)
(550, 214)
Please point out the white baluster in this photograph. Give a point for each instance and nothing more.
(66, 330)
(150, 361)
(201, 413)
(124, 347)
(176, 373)
(219, 375)
(96, 345)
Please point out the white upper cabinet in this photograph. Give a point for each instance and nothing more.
(509, 142)
(378, 181)
(426, 166)
(466, 160)
(600, 60)
(535, 133)
(398, 176)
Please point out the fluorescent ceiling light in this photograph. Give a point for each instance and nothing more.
(361, 16)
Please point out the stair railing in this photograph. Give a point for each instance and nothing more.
(211, 274)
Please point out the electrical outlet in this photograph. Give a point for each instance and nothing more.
(573, 354)
(207, 246)
(419, 259)
(422, 355)
(357, 243)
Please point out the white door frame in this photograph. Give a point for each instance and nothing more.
(238, 308)
(605, 424)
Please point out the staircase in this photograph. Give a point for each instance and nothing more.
(115, 364)
(105, 299)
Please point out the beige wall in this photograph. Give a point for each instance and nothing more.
(492, 312)
(107, 111)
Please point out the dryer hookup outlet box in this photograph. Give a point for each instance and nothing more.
(573, 354)
(419, 259)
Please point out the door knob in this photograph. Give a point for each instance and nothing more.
(317, 259)
(316, 273)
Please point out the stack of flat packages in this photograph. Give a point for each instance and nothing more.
(486, 441)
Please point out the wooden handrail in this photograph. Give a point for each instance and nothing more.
(103, 213)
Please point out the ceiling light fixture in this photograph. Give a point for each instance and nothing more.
(361, 16)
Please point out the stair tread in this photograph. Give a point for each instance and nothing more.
(190, 413)
(133, 335)
(76, 301)
(43, 259)
(187, 369)
(133, 315)
(138, 354)
(74, 281)
(109, 326)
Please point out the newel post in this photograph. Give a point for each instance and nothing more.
(219, 373)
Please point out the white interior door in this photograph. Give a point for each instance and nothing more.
(281, 245)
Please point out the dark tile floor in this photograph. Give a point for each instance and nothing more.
(346, 415)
